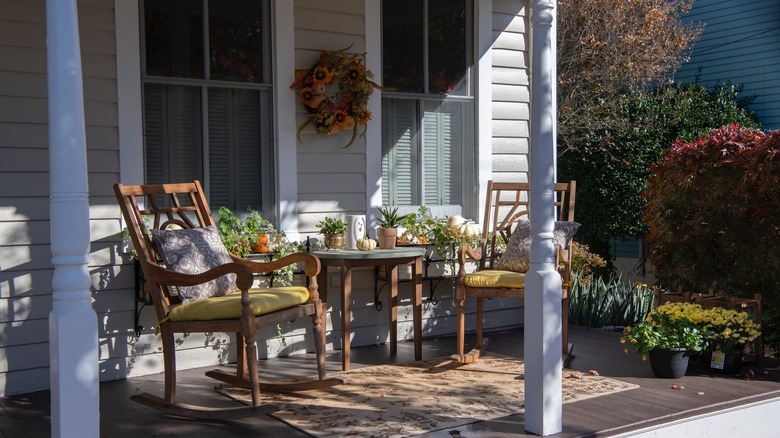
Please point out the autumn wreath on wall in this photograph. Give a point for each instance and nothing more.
(335, 92)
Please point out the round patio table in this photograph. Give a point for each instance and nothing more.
(345, 260)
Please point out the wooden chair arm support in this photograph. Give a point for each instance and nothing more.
(168, 277)
(467, 251)
(311, 263)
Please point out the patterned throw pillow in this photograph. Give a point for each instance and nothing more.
(517, 256)
(194, 251)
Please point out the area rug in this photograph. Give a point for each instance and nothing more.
(406, 399)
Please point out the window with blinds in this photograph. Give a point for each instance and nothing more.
(207, 99)
(428, 116)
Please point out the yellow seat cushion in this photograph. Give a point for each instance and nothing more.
(495, 279)
(228, 306)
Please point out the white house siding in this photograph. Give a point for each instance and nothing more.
(739, 44)
(331, 181)
(511, 93)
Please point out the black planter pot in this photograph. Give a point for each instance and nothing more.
(669, 363)
(732, 362)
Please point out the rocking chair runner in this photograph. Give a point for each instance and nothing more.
(180, 216)
(506, 203)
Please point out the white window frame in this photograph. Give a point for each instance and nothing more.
(481, 22)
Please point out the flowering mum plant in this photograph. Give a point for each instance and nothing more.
(727, 329)
(671, 325)
(335, 92)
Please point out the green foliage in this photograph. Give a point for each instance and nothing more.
(712, 207)
(596, 303)
(255, 224)
(285, 276)
(621, 139)
(234, 235)
(418, 225)
(390, 218)
(332, 226)
(584, 262)
(672, 325)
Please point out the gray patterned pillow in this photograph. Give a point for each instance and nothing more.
(194, 251)
(517, 256)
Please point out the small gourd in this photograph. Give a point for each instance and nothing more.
(366, 244)
(262, 244)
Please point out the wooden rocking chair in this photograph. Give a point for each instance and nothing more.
(181, 221)
(506, 203)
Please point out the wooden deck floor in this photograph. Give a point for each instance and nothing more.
(653, 403)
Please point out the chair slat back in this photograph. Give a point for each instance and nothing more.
(146, 207)
(506, 203)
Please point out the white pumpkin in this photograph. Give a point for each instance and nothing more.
(455, 220)
(467, 229)
(366, 244)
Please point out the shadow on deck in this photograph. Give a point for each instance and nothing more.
(653, 403)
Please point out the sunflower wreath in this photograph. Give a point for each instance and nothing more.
(335, 92)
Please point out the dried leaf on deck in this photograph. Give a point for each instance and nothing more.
(678, 387)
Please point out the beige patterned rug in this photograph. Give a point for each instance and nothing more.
(400, 400)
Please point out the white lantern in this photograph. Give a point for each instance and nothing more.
(356, 230)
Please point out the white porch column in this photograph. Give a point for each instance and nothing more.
(543, 331)
(73, 341)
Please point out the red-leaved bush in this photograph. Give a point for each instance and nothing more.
(713, 208)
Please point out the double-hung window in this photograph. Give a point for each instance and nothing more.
(207, 98)
(428, 155)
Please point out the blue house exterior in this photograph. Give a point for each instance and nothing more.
(739, 44)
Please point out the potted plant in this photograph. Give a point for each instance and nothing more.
(668, 335)
(417, 227)
(727, 332)
(388, 222)
(234, 234)
(333, 230)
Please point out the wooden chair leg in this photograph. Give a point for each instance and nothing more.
(565, 325)
(461, 326)
(479, 323)
(254, 376)
(319, 347)
(169, 362)
(240, 356)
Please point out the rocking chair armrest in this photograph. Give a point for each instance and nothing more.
(311, 263)
(164, 276)
(467, 251)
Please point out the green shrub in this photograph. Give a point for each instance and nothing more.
(712, 208)
(614, 302)
(623, 139)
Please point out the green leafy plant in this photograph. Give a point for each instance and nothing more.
(616, 142)
(712, 208)
(285, 276)
(255, 224)
(234, 234)
(389, 218)
(417, 226)
(614, 302)
(671, 325)
(584, 262)
(330, 225)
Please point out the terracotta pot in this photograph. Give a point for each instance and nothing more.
(386, 237)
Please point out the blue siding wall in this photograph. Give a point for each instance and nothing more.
(741, 44)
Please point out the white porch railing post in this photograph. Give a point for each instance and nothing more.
(543, 331)
(73, 341)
